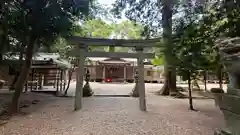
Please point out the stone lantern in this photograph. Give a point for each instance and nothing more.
(135, 92)
(229, 102)
(87, 90)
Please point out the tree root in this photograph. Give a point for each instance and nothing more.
(180, 95)
(164, 91)
(167, 92)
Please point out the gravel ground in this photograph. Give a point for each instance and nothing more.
(116, 116)
(125, 89)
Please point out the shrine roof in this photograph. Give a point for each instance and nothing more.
(41, 60)
(114, 61)
(104, 58)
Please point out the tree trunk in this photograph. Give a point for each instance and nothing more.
(169, 86)
(195, 83)
(69, 80)
(219, 71)
(165, 89)
(190, 91)
(18, 71)
(205, 80)
(1, 58)
(172, 84)
(220, 76)
(14, 107)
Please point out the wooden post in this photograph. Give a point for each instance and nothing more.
(57, 81)
(141, 83)
(65, 79)
(80, 75)
(39, 80)
(125, 74)
(32, 79)
(26, 86)
(104, 73)
(42, 81)
(61, 78)
(133, 71)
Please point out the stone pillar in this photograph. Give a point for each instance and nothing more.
(79, 78)
(229, 105)
(87, 90)
(232, 81)
(135, 92)
(141, 83)
(125, 74)
(229, 102)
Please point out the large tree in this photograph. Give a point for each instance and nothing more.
(35, 23)
(153, 15)
(197, 32)
(169, 68)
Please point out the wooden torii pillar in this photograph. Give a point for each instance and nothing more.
(80, 74)
(141, 82)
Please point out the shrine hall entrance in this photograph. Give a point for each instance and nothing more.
(114, 73)
(115, 69)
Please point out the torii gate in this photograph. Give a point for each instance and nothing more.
(81, 52)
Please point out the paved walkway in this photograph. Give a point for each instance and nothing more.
(116, 116)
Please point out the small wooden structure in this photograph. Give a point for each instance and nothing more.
(47, 70)
(81, 52)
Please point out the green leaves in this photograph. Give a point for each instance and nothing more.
(145, 12)
(195, 39)
(96, 28)
(158, 60)
(127, 30)
(42, 21)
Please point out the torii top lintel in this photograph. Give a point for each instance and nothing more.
(114, 42)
